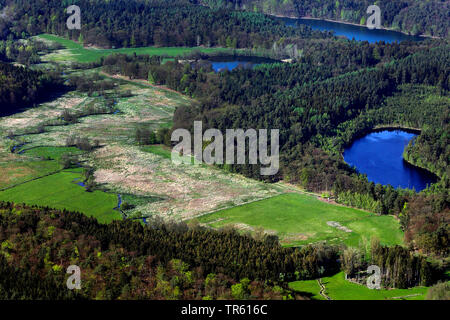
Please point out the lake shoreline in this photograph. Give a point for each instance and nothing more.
(355, 24)
(363, 148)
(417, 167)
(395, 128)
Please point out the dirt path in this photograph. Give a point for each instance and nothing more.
(323, 290)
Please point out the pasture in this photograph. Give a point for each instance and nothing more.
(300, 219)
(76, 52)
(337, 288)
(61, 191)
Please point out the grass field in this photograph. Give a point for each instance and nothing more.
(35, 162)
(76, 52)
(51, 153)
(337, 288)
(158, 150)
(300, 219)
(61, 192)
(309, 288)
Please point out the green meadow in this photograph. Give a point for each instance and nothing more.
(60, 191)
(337, 288)
(309, 288)
(51, 153)
(33, 163)
(76, 52)
(300, 219)
(159, 150)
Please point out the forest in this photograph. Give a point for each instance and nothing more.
(22, 87)
(333, 92)
(126, 260)
(300, 100)
(409, 16)
(160, 23)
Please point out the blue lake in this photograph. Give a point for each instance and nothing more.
(359, 33)
(220, 64)
(379, 155)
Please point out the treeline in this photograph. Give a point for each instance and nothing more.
(399, 267)
(20, 86)
(147, 23)
(409, 16)
(319, 60)
(431, 150)
(126, 260)
(25, 52)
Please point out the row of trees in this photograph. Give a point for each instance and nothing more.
(25, 52)
(20, 86)
(125, 260)
(399, 267)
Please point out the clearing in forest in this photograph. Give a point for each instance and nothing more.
(301, 219)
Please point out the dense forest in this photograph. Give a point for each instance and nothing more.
(21, 86)
(114, 24)
(409, 16)
(127, 260)
(24, 52)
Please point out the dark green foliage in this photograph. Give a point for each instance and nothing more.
(20, 87)
(145, 23)
(127, 260)
(409, 16)
(125, 254)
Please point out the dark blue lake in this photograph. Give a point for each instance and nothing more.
(379, 155)
(359, 33)
(229, 62)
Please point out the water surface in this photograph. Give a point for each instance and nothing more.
(224, 63)
(379, 155)
(359, 33)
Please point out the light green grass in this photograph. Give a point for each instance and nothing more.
(53, 153)
(76, 52)
(300, 219)
(337, 288)
(309, 288)
(59, 191)
(158, 150)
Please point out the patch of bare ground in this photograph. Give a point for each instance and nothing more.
(293, 237)
(337, 225)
